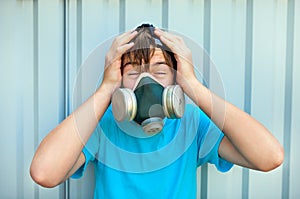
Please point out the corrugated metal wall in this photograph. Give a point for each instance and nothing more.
(254, 45)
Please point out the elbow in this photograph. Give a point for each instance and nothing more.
(274, 161)
(41, 177)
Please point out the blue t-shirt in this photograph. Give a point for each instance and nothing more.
(131, 164)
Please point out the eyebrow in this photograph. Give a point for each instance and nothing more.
(160, 62)
(155, 63)
(127, 63)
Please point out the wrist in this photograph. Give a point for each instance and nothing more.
(106, 89)
(101, 99)
(190, 86)
(103, 93)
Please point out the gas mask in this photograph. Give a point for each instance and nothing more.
(148, 103)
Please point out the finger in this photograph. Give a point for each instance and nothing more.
(167, 39)
(125, 37)
(119, 51)
(125, 34)
(119, 41)
(161, 35)
(170, 43)
(173, 37)
(122, 49)
(169, 36)
(158, 31)
(174, 42)
(180, 51)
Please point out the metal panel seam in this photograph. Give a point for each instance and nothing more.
(288, 97)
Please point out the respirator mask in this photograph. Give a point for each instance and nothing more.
(148, 103)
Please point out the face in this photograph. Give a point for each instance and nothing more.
(157, 68)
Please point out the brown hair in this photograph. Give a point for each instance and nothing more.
(144, 46)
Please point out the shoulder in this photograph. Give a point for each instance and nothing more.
(192, 114)
(107, 122)
(190, 119)
(108, 115)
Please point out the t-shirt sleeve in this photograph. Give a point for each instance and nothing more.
(209, 137)
(88, 157)
(90, 151)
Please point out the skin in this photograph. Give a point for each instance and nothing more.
(246, 142)
(157, 68)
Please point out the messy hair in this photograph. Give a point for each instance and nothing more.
(144, 47)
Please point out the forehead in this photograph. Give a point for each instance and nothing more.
(157, 56)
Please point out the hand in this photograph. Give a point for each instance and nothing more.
(183, 56)
(112, 71)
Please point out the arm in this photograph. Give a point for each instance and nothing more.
(61, 148)
(246, 142)
(59, 154)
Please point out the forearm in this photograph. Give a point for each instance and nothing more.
(60, 149)
(250, 138)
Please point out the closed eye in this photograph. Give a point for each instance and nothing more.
(133, 73)
(160, 73)
(160, 69)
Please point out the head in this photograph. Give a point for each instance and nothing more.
(148, 99)
(150, 55)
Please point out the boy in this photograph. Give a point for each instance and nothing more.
(130, 163)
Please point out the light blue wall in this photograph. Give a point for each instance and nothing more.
(253, 44)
